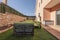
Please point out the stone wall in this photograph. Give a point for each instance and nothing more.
(8, 18)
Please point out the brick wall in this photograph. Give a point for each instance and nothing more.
(46, 15)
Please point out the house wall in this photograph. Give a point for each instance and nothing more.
(50, 14)
(37, 10)
(53, 16)
(56, 7)
(46, 14)
(53, 12)
(41, 8)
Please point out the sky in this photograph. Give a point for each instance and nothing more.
(27, 7)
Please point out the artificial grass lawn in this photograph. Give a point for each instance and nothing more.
(39, 34)
(28, 21)
(24, 22)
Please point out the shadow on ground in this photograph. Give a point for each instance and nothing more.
(12, 37)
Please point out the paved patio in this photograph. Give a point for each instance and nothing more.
(52, 31)
(56, 27)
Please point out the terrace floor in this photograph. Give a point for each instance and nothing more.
(52, 31)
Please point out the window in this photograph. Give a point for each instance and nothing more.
(39, 15)
(39, 4)
(41, 1)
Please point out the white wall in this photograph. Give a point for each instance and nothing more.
(53, 16)
(42, 5)
(40, 9)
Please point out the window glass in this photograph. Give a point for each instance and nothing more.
(39, 4)
(41, 1)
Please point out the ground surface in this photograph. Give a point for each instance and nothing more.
(39, 34)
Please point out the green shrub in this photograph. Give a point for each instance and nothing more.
(37, 24)
(2, 8)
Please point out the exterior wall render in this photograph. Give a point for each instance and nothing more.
(45, 2)
(53, 13)
(46, 13)
(41, 8)
(56, 7)
(49, 12)
(37, 10)
(53, 16)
